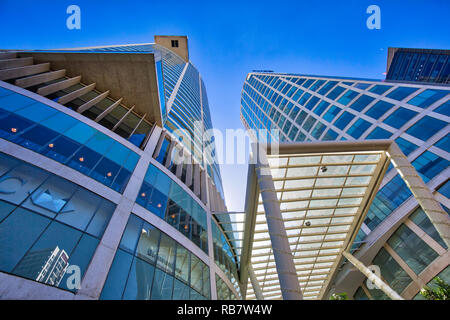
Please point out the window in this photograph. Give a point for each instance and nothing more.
(444, 143)
(174, 43)
(321, 107)
(444, 109)
(392, 273)
(413, 250)
(379, 133)
(347, 97)
(157, 268)
(361, 103)
(426, 127)
(358, 128)
(429, 165)
(378, 109)
(380, 89)
(401, 93)
(343, 120)
(421, 219)
(331, 113)
(406, 146)
(47, 223)
(399, 117)
(330, 135)
(427, 97)
(335, 93)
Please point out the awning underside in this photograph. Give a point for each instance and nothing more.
(322, 201)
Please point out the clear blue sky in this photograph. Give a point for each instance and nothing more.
(227, 39)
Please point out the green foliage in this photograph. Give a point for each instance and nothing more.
(339, 296)
(441, 290)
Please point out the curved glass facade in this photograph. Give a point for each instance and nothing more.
(314, 108)
(140, 233)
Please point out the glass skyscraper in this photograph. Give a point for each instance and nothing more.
(95, 202)
(396, 234)
(418, 65)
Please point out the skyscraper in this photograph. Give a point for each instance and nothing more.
(418, 65)
(396, 234)
(103, 156)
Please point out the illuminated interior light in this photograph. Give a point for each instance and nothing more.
(14, 130)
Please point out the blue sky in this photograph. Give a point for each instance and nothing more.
(227, 39)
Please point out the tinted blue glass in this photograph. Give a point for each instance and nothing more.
(429, 165)
(380, 89)
(321, 107)
(426, 127)
(14, 102)
(117, 276)
(444, 109)
(309, 123)
(378, 109)
(15, 242)
(35, 138)
(399, 117)
(379, 133)
(327, 87)
(331, 113)
(12, 126)
(61, 149)
(445, 189)
(139, 282)
(347, 97)
(361, 103)
(343, 120)
(406, 146)
(335, 92)
(427, 97)
(318, 129)
(162, 286)
(362, 85)
(389, 198)
(312, 102)
(330, 135)
(37, 112)
(84, 160)
(444, 143)
(401, 93)
(358, 128)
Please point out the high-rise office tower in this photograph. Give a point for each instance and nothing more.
(418, 65)
(396, 234)
(103, 156)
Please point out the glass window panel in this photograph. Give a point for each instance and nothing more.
(378, 109)
(15, 242)
(139, 282)
(413, 250)
(14, 102)
(421, 219)
(162, 286)
(117, 276)
(148, 245)
(182, 268)
(101, 218)
(401, 93)
(399, 117)
(131, 234)
(166, 254)
(426, 127)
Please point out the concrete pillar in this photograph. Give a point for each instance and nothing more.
(289, 285)
(204, 187)
(180, 164)
(157, 149)
(189, 171)
(438, 217)
(255, 283)
(196, 179)
(169, 153)
(153, 139)
(372, 276)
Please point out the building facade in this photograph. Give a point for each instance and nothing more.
(418, 65)
(396, 234)
(106, 190)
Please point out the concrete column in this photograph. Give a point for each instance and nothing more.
(290, 288)
(196, 179)
(189, 171)
(212, 273)
(169, 153)
(157, 149)
(204, 195)
(372, 276)
(255, 283)
(438, 217)
(153, 140)
(181, 162)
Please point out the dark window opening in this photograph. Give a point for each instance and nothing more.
(174, 43)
